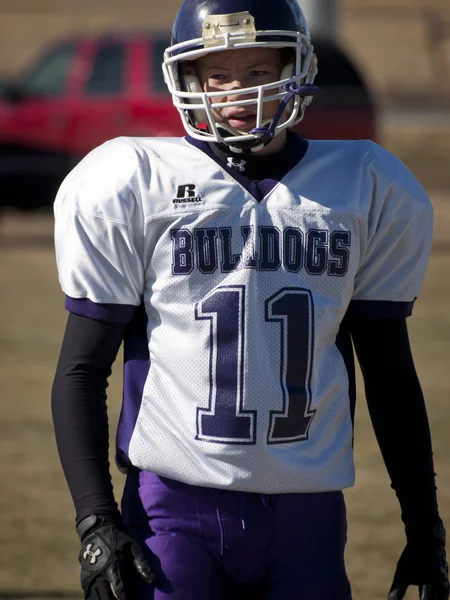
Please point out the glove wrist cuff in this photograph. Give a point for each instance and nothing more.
(431, 534)
(87, 524)
(91, 522)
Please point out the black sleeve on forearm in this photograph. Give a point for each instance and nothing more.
(399, 416)
(79, 412)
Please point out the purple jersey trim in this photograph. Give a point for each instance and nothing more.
(380, 309)
(293, 154)
(83, 307)
(136, 367)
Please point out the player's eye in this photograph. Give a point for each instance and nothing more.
(258, 73)
(218, 77)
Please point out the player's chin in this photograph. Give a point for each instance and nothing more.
(244, 125)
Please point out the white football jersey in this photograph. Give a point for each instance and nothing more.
(238, 373)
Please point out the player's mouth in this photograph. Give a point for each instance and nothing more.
(241, 122)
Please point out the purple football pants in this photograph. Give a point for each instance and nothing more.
(209, 544)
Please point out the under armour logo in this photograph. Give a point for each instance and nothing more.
(233, 163)
(92, 555)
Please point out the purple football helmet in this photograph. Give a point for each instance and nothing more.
(205, 26)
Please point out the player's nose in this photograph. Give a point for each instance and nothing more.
(234, 94)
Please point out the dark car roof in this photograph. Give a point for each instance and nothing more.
(124, 36)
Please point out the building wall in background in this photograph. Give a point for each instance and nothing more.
(403, 46)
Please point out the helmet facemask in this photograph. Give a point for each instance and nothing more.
(293, 90)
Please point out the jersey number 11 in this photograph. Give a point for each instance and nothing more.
(225, 420)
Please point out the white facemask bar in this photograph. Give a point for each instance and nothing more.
(191, 101)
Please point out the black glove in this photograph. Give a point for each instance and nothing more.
(110, 561)
(423, 563)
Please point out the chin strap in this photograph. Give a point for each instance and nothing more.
(267, 133)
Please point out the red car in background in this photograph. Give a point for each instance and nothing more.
(82, 92)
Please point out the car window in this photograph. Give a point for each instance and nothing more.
(108, 67)
(334, 66)
(157, 48)
(49, 76)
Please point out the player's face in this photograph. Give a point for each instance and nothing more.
(233, 70)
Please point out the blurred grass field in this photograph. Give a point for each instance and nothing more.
(37, 540)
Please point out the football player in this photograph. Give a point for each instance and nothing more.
(238, 265)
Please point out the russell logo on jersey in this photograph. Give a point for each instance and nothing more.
(187, 193)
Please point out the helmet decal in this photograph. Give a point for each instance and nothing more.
(215, 26)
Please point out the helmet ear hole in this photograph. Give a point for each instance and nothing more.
(288, 71)
(192, 85)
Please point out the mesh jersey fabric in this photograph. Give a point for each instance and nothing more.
(234, 374)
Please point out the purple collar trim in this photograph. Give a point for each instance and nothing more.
(291, 155)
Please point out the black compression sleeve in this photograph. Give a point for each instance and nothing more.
(399, 416)
(79, 412)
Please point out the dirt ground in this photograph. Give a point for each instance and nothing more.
(37, 540)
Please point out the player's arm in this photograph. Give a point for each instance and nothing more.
(99, 232)
(109, 557)
(395, 252)
(79, 411)
(399, 416)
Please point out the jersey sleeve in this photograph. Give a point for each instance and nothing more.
(99, 233)
(399, 238)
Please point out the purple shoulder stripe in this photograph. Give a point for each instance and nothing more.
(117, 313)
(380, 309)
